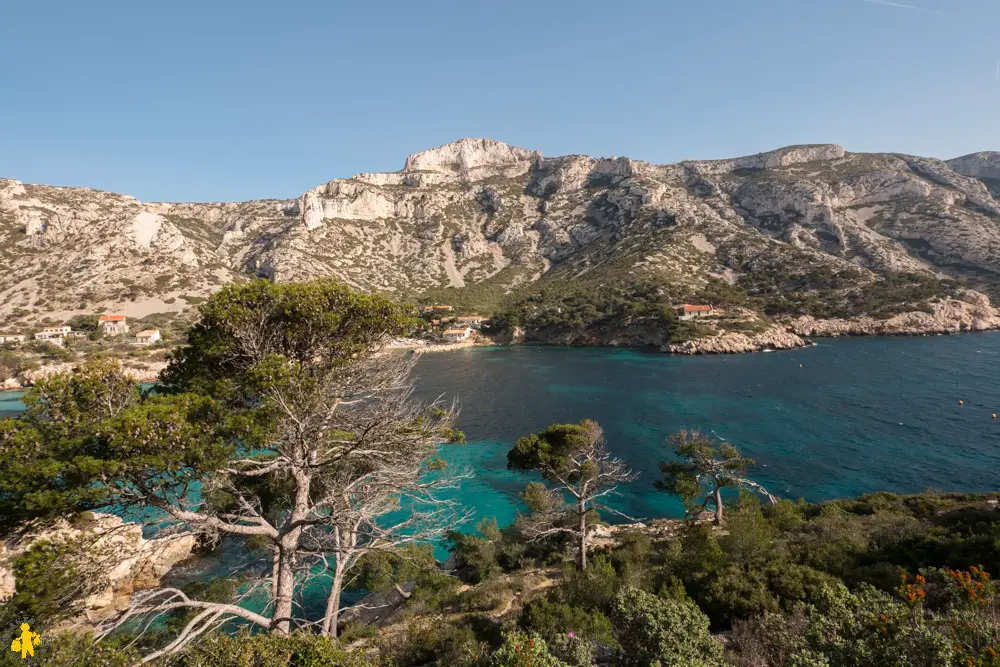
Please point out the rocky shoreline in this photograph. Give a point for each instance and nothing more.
(970, 314)
(149, 372)
(118, 562)
(973, 313)
(731, 342)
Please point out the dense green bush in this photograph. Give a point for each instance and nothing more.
(269, 650)
(49, 578)
(664, 632)
(552, 619)
(574, 309)
(593, 588)
(440, 644)
(521, 650)
(489, 553)
(71, 650)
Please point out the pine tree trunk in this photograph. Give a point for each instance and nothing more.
(582, 510)
(718, 506)
(332, 616)
(285, 588)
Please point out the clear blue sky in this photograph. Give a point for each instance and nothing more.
(217, 101)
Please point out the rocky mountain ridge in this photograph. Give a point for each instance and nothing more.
(487, 219)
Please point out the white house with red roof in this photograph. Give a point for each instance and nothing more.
(113, 325)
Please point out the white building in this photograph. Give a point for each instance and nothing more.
(147, 337)
(689, 312)
(11, 338)
(113, 325)
(54, 335)
(456, 335)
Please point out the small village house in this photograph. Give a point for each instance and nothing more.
(474, 321)
(6, 339)
(113, 325)
(689, 312)
(147, 337)
(54, 335)
(437, 309)
(457, 335)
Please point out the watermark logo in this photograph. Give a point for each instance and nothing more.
(24, 642)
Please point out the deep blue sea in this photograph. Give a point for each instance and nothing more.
(843, 418)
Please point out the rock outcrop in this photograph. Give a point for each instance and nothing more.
(147, 372)
(950, 316)
(116, 560)
(984, 166)
(737, 343)
(471, 159)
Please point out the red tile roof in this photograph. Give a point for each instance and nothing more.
(687, 308)
(111, 318)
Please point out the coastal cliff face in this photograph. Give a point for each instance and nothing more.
(731, 342)
(975, 314)
(116, 560)
(482, 217)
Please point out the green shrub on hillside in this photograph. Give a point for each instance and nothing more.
(661, 631)
(521, 650)
(269, 650)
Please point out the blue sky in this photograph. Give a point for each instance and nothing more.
(220, 101)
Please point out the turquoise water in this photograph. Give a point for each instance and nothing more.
(10, 402)
(859, 415)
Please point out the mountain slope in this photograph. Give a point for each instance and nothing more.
(486, 219)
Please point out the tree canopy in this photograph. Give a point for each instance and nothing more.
(574, 458)
(702, 469)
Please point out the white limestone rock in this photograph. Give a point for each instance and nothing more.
(469, 159)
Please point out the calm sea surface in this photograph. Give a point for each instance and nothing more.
(846, 417)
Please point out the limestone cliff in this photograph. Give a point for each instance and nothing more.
(115, 561)
(480, 214)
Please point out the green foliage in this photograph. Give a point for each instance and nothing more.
(552, 452)
(825, 292)
(48, 580)
(86, 323)
(870, 628)
(68, 649)
(521, 650)
(661, 631)
(593, 588)
(703, 468)
(269, 650)
(84, 434)
(486, 555)
(439, 644)
(554, 620)
(576, 310)
(316, 324)
(750, 534)
(381, 570)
